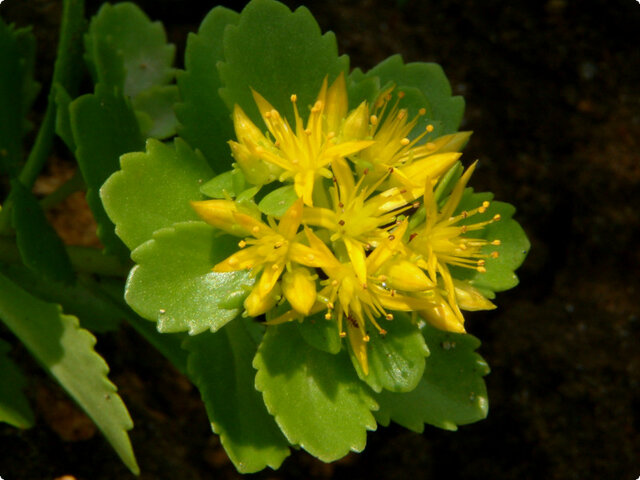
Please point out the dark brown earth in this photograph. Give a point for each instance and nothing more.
(553, 96)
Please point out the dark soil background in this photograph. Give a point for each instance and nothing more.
(553, 96)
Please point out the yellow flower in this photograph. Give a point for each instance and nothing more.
(300, 152)
(442, 241)
(268, 251)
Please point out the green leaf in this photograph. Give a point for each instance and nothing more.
(75, 299)
(104, 127)
(63, 119)
(443, 111)
(362, 88)
(173, 282)
(66, 351)
(321, 333)
(513, 249)
(396, 360)
(153, 190)
(276, 203)
(124, 49)
(225, 185)
(316, 397)
(220, 366)
(14, 406)
(277, 53)
(40, 247)
(206, 123)
(451, 392)
(157, 104)
(17, 92)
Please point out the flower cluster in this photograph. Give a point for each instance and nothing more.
(367, 235)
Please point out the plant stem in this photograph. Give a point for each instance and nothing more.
(83, 259)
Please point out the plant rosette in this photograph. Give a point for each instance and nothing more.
(313, 231)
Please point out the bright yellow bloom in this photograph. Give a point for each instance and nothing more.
(300, 152)
(268, 251)
(442, 242)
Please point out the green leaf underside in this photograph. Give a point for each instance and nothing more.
(321, 333)
(396, 360)
(452, 391)
(66, 351)
(277, 53)
(512, 250)
(276, 203)
(157, 104)
(124, 49)
(443, 110)
(104, 127)
(17, 92)
(174, 284)
(315, 396)
(40, 247)
(75, 299)
(63, 119)
(204, 118)
(153, 190)
(220, 366)
(14, 406)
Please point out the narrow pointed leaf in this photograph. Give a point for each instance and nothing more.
(14, 406)
(451, 392)
(153, 189)
(277, 202)
(316, 397)
(204, 118)
(66, 351)
(277, 53)
(40, 246)
(174, 284)
(220, 366)
(104, 127)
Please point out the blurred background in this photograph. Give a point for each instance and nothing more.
(552, 89)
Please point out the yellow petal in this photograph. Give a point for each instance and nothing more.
(299, 288)
(241, 260)
(471, 299)
(268, 279)
(290, 221)
(442, 316)
(416, 172)
(344, 179)
(355, 250)
(356, 125)
(220, 214)
(359, 346)
(405, 275)
(456, 194)
(251, 225)
(336, 104)
(304, 186)
(258, 303)
(245, 128)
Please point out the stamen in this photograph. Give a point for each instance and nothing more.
(294, 98)
(429, 128)
(404, 142)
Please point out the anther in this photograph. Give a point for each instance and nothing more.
(412, 236)
(308, 131)
(463, 229)
(242, 244)
(366, 339)
(481, 269)
(389, 316)
(481, 263)
(365, 171)
(255, 229)
(343, 334)
(496, 217)
(274, 267)
(486, 204)
(383, 332)
(268, 114)
(393, 293)
(495, 242)
(341, 223)
(340, 204)
(429, 128)
(422, 111)
(373, 119)
(405, 141)
(400, 94)
(495, 254)
(294, 98)
(334, 283)
(465, 214)
(391, 238)
(327, 316)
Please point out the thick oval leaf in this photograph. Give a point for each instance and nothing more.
(205, 119)
(443, 110)
(220, 366)
(227, 184)
(396, 360)
(153, 190)
(173, 283)
(317, 399)
(277, 202)
(321, 333)
(277, 53)
(17, 92)
(157, 104)
(66, 351)
(513, 249)
(125, 49)
(451, 392)
(104, 127)
(40, 246)
(14, 406)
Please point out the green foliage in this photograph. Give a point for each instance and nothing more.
(66, 351)
(314, 396)
(14, 406)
